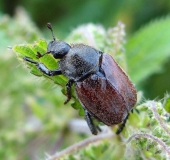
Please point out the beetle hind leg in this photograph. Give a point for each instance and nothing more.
(121, 127)
(94, 129)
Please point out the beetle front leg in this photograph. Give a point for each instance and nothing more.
(43, 68)
(68, 88)
(39, 55)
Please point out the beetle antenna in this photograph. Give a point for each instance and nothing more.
(51, 29)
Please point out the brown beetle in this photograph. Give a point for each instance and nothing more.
(104, 90)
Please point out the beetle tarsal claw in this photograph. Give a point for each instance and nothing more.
(38, 55)
(67, 100)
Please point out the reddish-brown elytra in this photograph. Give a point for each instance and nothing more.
(104, 90)
(109, 96)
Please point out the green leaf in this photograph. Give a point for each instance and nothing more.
(167, 104)
(24, 50)
(81, 112)
(148, 49)
(76, 105)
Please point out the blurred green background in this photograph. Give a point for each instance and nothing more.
(32, 116)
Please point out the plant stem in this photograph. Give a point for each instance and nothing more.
(81, 145)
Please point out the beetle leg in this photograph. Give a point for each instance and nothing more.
(90, 123)
(120, 129)
(68, 88)
(29, 60)
(39, 55)
(43, 68)
(98, 128)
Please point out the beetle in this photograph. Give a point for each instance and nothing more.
(102, 87)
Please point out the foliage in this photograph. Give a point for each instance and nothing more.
(145, 139)
(144, 47)
(34, 120)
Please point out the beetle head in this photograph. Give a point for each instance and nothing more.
(58, 48)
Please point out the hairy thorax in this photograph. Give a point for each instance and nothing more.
(79, 62)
